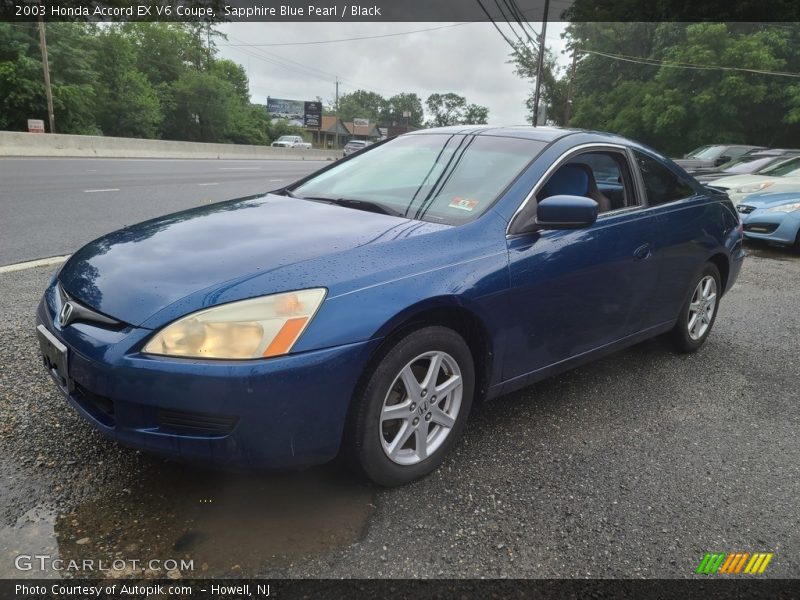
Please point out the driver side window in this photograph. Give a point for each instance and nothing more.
(603, 176)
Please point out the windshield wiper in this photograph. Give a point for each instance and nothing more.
(358, 204)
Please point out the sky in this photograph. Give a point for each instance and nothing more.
(468, 59)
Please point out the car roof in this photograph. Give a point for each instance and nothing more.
(773, 152)
(541, 134)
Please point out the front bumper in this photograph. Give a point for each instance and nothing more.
(775, 227)
(277, 413)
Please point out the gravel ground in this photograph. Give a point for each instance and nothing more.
(633, 466)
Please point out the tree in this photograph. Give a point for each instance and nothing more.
(126, 103)
(676, 86)
(21, 88)
(475, 115)
(404, 103)
(201, 109)
(445, 109)
(452, 109)
(553, 90)
(362, 104)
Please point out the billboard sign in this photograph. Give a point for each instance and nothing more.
(35, 126)
(361, 122)
(290, 110)
(297, 112)
(312, 116)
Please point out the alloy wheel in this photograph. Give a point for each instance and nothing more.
(421, 408)
(701, 307)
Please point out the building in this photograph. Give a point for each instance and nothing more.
(335, 133)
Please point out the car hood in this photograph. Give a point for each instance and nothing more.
(135, 272)
(767, 199)
(736, 181)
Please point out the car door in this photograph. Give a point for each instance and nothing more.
(574, 291)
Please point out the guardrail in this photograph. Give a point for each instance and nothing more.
(17, 143)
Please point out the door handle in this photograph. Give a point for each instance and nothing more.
(643, 252)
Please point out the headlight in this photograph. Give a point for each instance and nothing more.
(255, 328)
(751, 189)
(785, 208)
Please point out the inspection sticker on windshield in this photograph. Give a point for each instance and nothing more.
(463, 203)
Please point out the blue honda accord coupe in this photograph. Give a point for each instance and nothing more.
(364, 309)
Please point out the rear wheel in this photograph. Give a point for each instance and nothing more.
(413, 407)
(699, 311)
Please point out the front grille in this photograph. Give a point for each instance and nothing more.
(193, 423)
(760, 227)
(80, 312)
(100, 407)
(744, 209)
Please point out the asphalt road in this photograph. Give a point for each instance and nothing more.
(70, 201)
(633, 466)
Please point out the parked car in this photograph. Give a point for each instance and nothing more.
(772, 217)
(712, 156)
(291, 141)
(750, 163)
(364, 308)
(355, 146)
(785, 176)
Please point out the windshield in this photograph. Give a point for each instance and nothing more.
(286, 138)
(788, 167)
(430, 177)
(706, 152)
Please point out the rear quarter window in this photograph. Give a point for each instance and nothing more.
(661, 183)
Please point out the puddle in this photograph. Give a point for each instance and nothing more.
(32, 534)
(224, 524)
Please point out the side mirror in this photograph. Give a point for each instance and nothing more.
(566, 212)
(721, 160)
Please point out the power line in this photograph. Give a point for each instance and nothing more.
(293, 65)
(659, 63)
(517, 12)
(500, 31)
(508, 20)
(352, 39)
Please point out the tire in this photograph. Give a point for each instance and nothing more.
(699, 302)
(796, 246)
(397, 432)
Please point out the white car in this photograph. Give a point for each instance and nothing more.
(355, 146)
(784, 176)
(291, 141)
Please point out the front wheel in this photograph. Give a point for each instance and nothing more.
(413, 407)
(699, 311)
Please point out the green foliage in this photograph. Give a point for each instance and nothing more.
(21, 88)
(362, 104)
(401, 103)
(149, 80)
(452, 109)
(127, 104)
(165, 80)
(667, 105)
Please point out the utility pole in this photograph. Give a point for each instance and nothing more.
(570, 83)
(46, 66)
(208, 46)
(540, 67)
(337, 111)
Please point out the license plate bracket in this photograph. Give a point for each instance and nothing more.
(55, 357)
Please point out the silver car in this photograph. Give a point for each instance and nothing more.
(355, 146)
